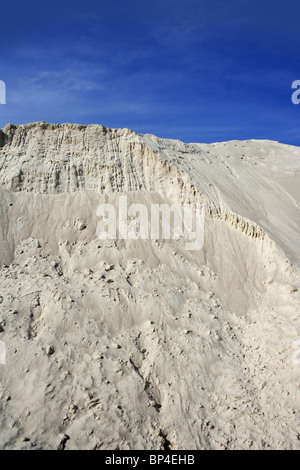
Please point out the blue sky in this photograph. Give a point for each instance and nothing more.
(194, 70)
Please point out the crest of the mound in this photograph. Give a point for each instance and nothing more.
(237, 181)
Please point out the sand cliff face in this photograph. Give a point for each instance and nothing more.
(142, 344)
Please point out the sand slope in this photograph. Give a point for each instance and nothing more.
(142, 344)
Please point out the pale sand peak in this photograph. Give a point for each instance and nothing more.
(143, 344)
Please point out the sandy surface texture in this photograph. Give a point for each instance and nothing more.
(143, 344)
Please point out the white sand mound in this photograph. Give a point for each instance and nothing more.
(142, 344)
